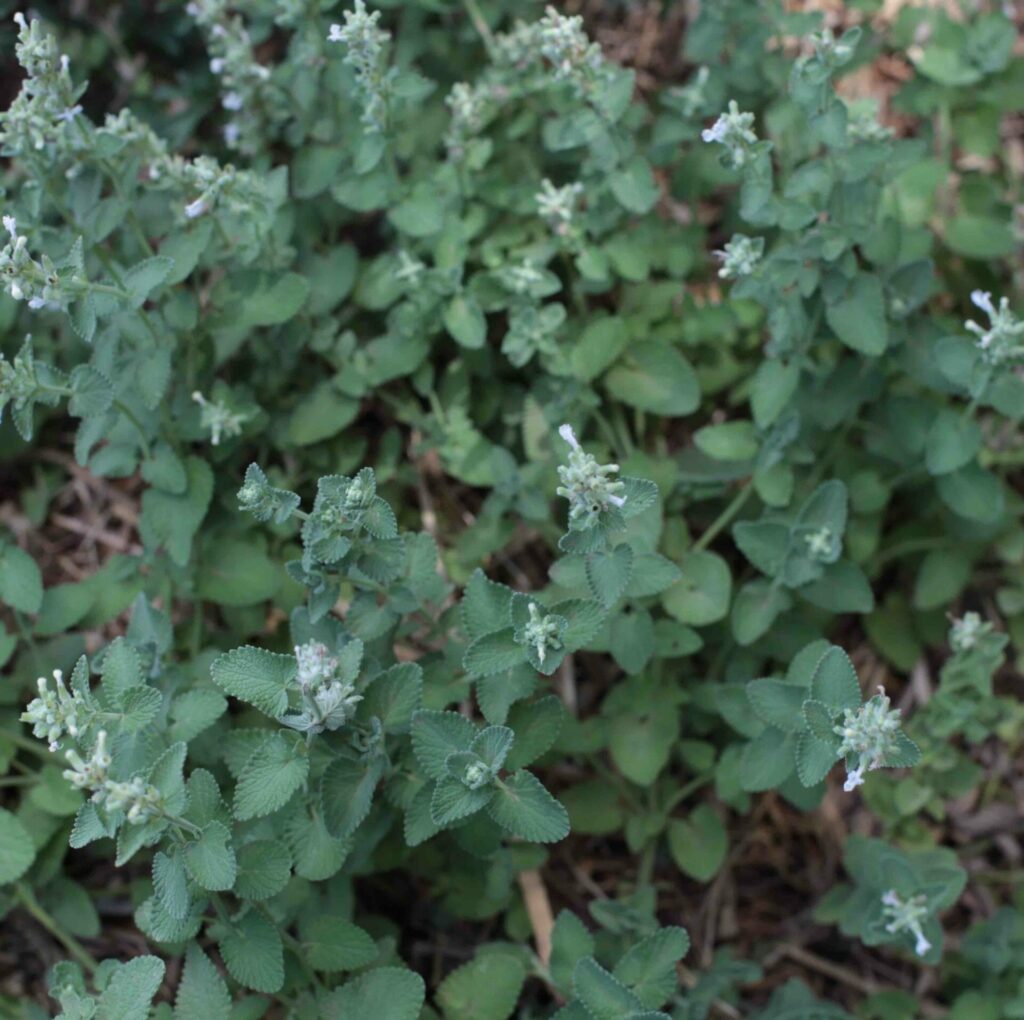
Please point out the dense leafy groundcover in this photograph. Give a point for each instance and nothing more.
(546, 531)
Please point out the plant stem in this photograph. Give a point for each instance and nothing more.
(479, 23)
(724, 518)
(75, 949)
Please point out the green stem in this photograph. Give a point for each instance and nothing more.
(724, 518)
(479, 23)
(75, 949)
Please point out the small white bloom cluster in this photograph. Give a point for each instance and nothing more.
(243, 78)
(870, 734)
(821, 544)
(468, 105)
(558, 205)
(690, 98)
(477, 774)
(906, 915)
(140, 800)
(410, 269)
(328, 703)
(587, 485)
(734, 131)
(25, 278)
(220, 419)
(366, 45)
(573, 57)
(740, 256)
(523, 278)
(18, 382)
(829, 50)
(541, 632)
(56, 712)
(46, 104)
(968, 631)
(1000, 342)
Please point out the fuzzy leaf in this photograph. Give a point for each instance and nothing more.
(523, 807)
(270, 778)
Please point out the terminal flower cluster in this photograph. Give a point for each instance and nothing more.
(366, 46)
(587, 485)
(740, 256)
(1000, 343)
(734, 131)
(907, 916)
(328, 702)
(869, 734)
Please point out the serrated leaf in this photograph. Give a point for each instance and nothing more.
(264, 867)
(452, 800)
(609, 572)
(131, 988)
(835, 682)
(270, 778)
(256, 676)
(604, 995)
(170, 883)
(252, 952)
(521, 805)
(385, 993)
(815, 757)
(17, 851)
(346, 793)
(210, 858)
(493, 653)
(777, 703)
(649, 967)
(21, 584)
(202, 992)
(486, 988)
(435, 735)
(570, 942)
(334, 944)
(394, 696)
(536, 726)
(145, 276)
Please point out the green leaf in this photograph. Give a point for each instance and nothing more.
(702, 596)
(385, 993)
(130, 990)
(334, 944)
(858, 318)
(598, 347)
(608, 573)
(170, 520)
(649, 966)
(485, 606)
(270, 778)
(570, 942)
(942, 576)
(264, 867)
(465, 321)
(953, 442)
(835, 682)
(778, 704)
(235, 573)
(634, 186)
(435, 735)
(274, 304)
(523, 807)
(767, 760)
(654, 377)
(145, 276)
(815, 757)
(493, 653)
(536, 725)
(973, 493)
(252, 952)
(21, 584)
(641, 745)
(346, 793)
(394, 696)
(757, 606)
(170, 883)
(979, 237)
(256, 676)
(452, 800)
(603, 995)
(210, 858)
(698, 845)
(733, 440)
(202, 992)
(93, 392)
(773, 389)
(842, 588)
(486, 988)
(17, 851)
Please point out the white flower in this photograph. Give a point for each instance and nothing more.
(854, 778)
(217, 65)
(566, 432)
(11, 226)
(69, 114)
(336, 34)
(232, 101)
(196, 208)
(983, 299)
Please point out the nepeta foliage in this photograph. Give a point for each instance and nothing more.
(391, 644)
